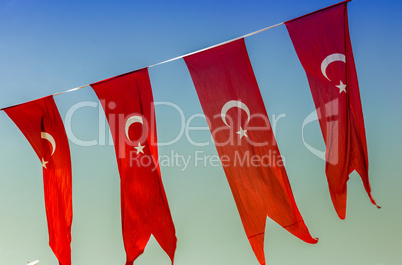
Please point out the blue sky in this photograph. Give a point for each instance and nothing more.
(51, 46)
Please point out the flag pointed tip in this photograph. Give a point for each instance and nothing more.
(340, 210)
(172, 258)
(341, 213)
(342, 217)
(312, 240)
(373, 201)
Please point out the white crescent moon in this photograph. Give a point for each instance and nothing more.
(130, 121)
(330, 59)
(33, 262)
(45, 135)
(231, 104)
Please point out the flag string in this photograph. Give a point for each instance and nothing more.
(219, 44)
(173, 59)
(191, 53)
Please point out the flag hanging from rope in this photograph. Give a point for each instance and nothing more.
(41, 124)
(322, 43)
(232, 104)
(128, 104)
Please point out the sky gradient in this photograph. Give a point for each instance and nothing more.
(51, 46)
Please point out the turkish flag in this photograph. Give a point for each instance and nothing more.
(40, 122)
(322, 43)
(233, 107)
(128, 104)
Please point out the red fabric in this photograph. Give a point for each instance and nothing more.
(224, 74)
(34, 119)
(321, 35)
(127, 100)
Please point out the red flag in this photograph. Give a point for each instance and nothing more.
(232, 104)
(322, 43)
(40, 122)
(128, 104)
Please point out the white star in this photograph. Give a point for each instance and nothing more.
(242, 132)
(342, 87)
(44, 163)
(140, 148)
